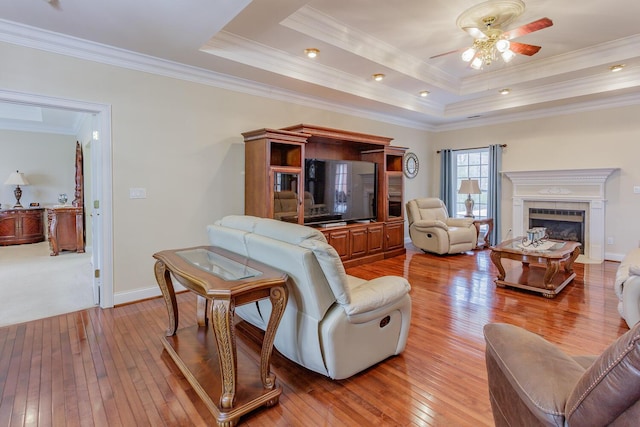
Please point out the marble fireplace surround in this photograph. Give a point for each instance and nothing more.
(574, 189)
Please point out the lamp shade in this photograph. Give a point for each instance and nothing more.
(469, 186)
(16, 178)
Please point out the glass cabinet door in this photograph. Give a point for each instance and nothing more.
(394, 195)
(286, 198)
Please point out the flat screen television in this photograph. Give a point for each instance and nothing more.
(339, 190)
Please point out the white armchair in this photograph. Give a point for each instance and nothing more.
(334, 324)
(627, 287)
(431, 229)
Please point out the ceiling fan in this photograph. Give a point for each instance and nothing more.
(485, 22)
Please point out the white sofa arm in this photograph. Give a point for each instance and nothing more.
(631, 300)
(369, 296)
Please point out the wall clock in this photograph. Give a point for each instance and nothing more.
(410, 165)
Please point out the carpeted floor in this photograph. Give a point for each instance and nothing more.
(35, 285)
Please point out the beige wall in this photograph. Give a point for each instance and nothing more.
(596, 139)
(48, 162)
(179, 140)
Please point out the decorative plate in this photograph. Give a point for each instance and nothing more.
(411, 165)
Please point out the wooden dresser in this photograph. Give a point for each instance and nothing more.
(21, 225)
(66, 229)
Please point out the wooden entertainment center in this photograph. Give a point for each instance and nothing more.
(275, 160)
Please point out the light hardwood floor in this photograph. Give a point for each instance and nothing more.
(108, 368)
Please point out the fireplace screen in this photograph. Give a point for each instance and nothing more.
(561, 224)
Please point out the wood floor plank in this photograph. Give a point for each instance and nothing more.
(108, 367)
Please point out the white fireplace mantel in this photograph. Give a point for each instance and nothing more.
(581, 186)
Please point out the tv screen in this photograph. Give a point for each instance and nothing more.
(339, 190)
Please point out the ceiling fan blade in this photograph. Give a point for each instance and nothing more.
(524, 49)
(528, 28)
(447, 53)
(476, 33)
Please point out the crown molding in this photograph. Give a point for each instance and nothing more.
(600, 55)
(35, 38)
(574, 108)
(605, 82)
(325, 28)
(249, 52)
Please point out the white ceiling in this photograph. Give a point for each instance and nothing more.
(258, 46)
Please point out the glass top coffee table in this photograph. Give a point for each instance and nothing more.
(547, 278)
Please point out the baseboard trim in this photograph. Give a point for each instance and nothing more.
(128, 297)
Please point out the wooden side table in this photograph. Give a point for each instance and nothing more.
(207, 356)
(486, 239)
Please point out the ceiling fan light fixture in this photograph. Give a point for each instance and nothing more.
(477, 62)
(311, 52)
(378, 77)
(502, 45)
(508, 55)
(468, 54)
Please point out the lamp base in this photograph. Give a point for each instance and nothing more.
(468, 204)
(18, 193)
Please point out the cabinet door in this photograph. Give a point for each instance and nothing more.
(286, 204)
(358, 241)
(394, 195)
(375, 239)
(8, 226)
(339, 239)
(32, 225)
(394, 232)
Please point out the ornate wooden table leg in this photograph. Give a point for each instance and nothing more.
(163, 277)
(568, 265)
(496, 258)
(222, 323)
(278, 296)
(201, 310)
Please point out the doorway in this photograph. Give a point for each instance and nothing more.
(100, 205)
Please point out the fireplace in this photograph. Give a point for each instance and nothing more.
(561, 224)
(572, 190)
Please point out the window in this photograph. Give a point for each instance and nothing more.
(471, 164)
(341, 188)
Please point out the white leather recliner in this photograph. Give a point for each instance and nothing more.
(334, 324)
(431, 229)
(627, 287)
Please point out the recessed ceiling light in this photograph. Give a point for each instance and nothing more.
(617, 67)
(311, 52)
(378, 77)
(505, 91)
(424, 93)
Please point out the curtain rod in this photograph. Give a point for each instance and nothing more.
(472, 148)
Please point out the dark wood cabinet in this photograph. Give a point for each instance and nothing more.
(18, 226)
(275, 176)
(357, 243)
(66, 229)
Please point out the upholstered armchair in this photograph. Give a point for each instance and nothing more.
(533, 383)
(627, 287)
(431, 229)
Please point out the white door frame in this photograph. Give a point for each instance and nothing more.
(103, 125)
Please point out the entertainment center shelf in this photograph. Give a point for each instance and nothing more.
(279, 163)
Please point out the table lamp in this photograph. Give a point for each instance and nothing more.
(469, 187)
(17, 178)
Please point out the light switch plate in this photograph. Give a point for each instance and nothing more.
(137, 193)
